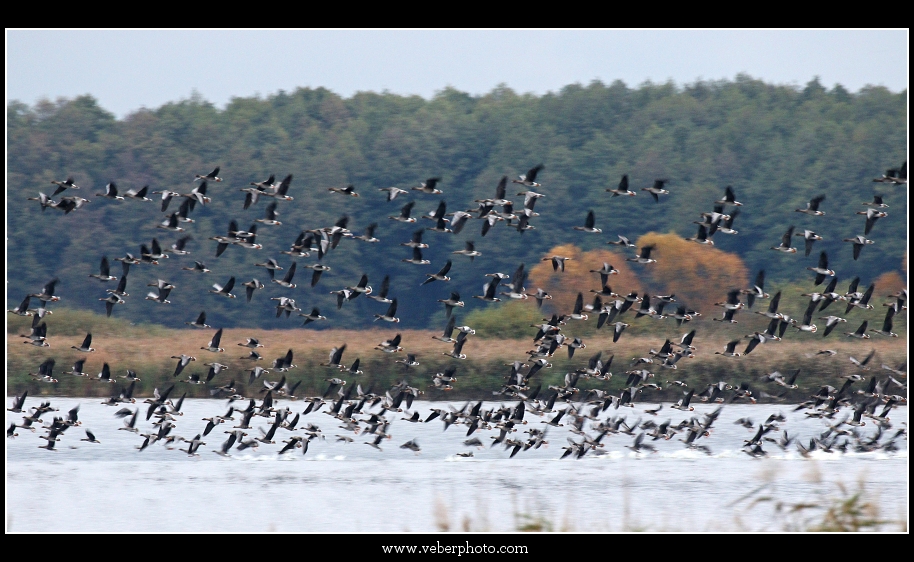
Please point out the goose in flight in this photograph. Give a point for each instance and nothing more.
(806, 325)
(469, 250)
(440, 276)
(381, 295)
(810, 237)
(286, 281)
(644, 256)
(417, 258)
(104, 273)
(451, 302)
(729, 198)
(86, 346)
(558, 262)
(64, 185)
(489, 290)
(529, 179)
(786, 242)
(110, 301)
(336, 355)
(730, 350)
(872, 215)
(822, 270)
(224, 290)
(200, 322)
(703, 237)
(887, 324)
(348, 190)
(830, 323)
(212, 176)
(589, 224)
(404, 215)
(812, 207)
(622, 189)
(895, 176)
(390, 315)
(623, 241)
(213, 344)
(110, 192)
(392, 192)
(313, 316)
(429, 186)
(183, 361)
(859, 242)
(657, 190)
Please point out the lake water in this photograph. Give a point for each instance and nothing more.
(349, 487)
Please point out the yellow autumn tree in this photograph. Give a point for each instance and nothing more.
(699, 275)
(564, 286)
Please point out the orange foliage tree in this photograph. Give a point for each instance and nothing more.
(891, 282)
(577, 278)
(697, 274)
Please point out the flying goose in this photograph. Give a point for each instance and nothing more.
(644, 256)
(622, 189)
(440, 276)
(872, 215)
(281, 191)
(822, 270)
(111, 192)
(810, 237)
(183, 361)
(729, 198)
(726, 225)
(895, 176)
(160, 297)
(450, 303)
(806, 325)
(198, 267)
(812, 208)
(200, 322)
(428, 186)
(623, 241)
(876, 202)
(224, 290)
(110, 301)
(657, 190)
(390, 315)
(104, 273)
(63, 186)
(786, 242)
(887, 324)
(313, 316)
(703, 237)
(489, 290)
(86, 346)
(348, 190)
(213, 344)
(589, 223)
(859, 242)
(730, 350)
(558, 262)
(529, 179)
(830, 323)
(212, 176)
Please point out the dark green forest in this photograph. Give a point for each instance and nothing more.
(777, 146)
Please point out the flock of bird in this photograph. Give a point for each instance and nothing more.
(370, 414)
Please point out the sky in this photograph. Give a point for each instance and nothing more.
(126, 70)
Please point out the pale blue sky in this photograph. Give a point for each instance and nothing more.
(130, 69)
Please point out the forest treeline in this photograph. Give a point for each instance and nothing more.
(777, 146)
